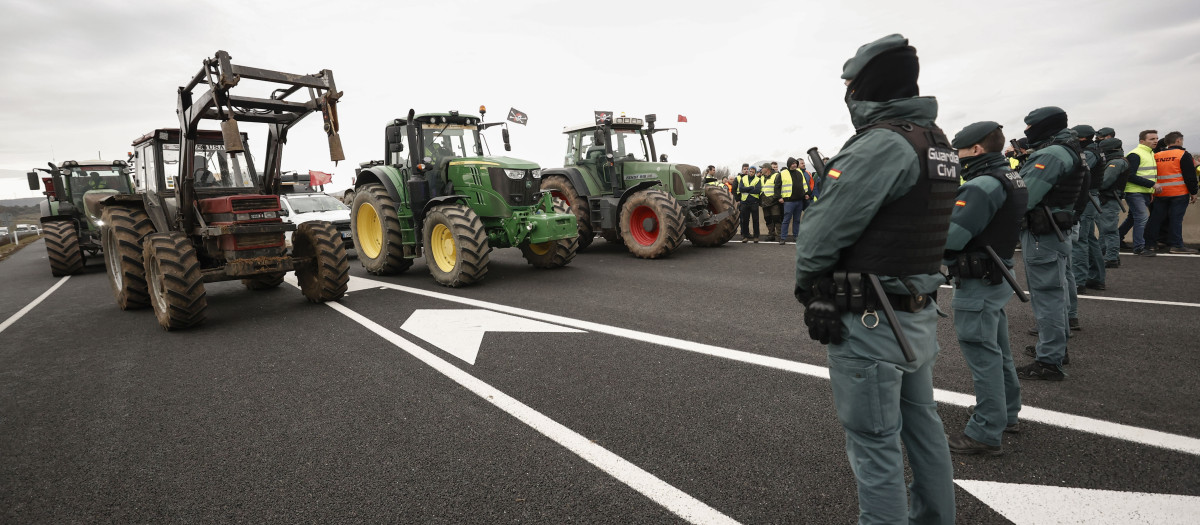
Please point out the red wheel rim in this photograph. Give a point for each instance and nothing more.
(560, 196)
(643, 224)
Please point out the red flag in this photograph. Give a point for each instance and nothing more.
(682, 118)
(319, 178)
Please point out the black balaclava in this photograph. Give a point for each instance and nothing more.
(1046, 128)
(889, 76)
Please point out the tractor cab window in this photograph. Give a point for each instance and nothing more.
(573, 152)
(588, 148)
(449, 140)
(83, 179)
(214, 168)
(628, 145)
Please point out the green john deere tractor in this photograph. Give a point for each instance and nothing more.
(447, 201)
(615, 188)
(71, 213)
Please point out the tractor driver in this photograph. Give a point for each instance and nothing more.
(203, 176)
(95, 182)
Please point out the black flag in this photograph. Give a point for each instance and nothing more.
(517, 116)
(603, 117)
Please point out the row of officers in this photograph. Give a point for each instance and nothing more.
(897, 203)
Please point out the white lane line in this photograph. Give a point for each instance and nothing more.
(659, 491)
(1118, 299)
(1154, 438)
(21, 313)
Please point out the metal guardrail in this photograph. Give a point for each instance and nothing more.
(8, 237)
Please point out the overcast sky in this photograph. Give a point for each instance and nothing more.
(756, 80)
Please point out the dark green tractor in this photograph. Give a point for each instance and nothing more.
(71, 213)
(438, 195)
(617, 190)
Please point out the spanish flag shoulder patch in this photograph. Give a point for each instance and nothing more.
(1040, 166)
(960, 203)
(833, 174)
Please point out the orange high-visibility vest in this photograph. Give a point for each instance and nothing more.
(1170, 175)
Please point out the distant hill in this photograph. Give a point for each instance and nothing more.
(31, 201)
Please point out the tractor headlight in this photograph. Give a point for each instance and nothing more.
(241, 217)
(537, 174)
(270, 215)
(515, 174)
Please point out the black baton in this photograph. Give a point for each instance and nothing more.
(1008, 276)
(1095, 202)
(890, 314)
(1057, 231)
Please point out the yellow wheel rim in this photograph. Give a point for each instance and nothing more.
(370, 231)
(441, 243)
(541, 248)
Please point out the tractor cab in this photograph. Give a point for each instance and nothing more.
(217, 172)
(80, 186)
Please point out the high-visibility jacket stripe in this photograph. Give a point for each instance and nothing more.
(1170, 173)
(1147, 168)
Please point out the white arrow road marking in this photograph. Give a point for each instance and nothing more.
(1037, 504)
(1144, 436)
(460, 332)
(21, 313)
(659, 491)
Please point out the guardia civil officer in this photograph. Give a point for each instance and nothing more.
(883, 214)
(987, 214)
(748, 191)
(1112, 185)
(1053, 177)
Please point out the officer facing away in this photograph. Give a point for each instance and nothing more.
(882, 219)
(1054, 179)
(987, 214)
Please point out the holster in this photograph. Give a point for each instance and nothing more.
(975, 266)
(852, 293)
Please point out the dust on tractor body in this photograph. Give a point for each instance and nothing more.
(205, 213)
(616, 190)
(71, 214)
(438, 195)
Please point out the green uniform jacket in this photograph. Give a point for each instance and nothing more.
(982, 197)
(877, 168)
(1043, 169)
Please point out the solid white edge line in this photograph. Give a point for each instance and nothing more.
(1117, 299)
(659, 491)
(21, 313)
(1154, 438)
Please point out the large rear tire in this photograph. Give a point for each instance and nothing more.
(552, 254)
(456, 247)
(122, 236)
(717, 234)
(376, 230)
(63, 249)
(325, 276)
(561, 189)
(176, 285)
(651, 224)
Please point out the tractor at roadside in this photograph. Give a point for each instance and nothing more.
(616, 189)
(440, 195)
(206, 213)
(71, 213)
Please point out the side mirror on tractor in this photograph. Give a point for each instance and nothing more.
(34, 183)
(504, 134)
(674, 138)
(598, 138)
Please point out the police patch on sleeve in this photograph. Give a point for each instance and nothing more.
(833, 174)
(942, 164)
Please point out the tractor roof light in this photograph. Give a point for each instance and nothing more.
(70, 164)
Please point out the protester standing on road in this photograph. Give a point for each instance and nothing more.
(1053, 177)
(1140, 189)
(1175, 189)
(1116, 173)
(772, 201)
(749, 186)
(795, 191)
(987, 214)
(884, 212)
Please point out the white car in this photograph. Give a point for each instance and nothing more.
(298, 208)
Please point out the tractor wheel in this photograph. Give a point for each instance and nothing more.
(122, 236)
(456, 246)
(324, 276)
(265, 281)
(552, 254)
(561, 189)
(376, 231)
(62, 246)
(651, 224)
(176, 285)
(717, 234)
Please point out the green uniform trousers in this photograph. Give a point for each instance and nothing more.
(982, 327)
(1107, 224)
(1046, 274)
(1072, 286)
(883, 401)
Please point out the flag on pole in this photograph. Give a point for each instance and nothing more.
(318, 178)
(682, 118)
(518, 117)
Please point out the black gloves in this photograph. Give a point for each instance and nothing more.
(824, 321)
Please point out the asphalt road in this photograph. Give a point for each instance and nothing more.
(689, 392)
